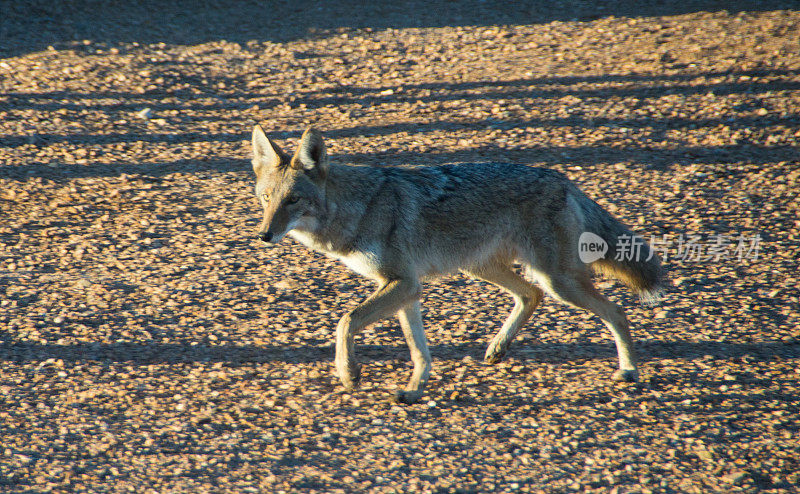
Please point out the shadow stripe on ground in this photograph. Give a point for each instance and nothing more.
(171, 353)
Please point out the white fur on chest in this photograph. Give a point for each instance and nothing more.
(364, 262)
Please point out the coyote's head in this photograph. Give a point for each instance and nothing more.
(291, 190)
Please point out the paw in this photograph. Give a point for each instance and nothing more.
(494, 356)
(406, 397)
(626, 375)
(351, 377)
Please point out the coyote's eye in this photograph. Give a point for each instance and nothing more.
(292, 199)
(265, 196)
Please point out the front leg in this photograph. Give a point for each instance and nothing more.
(387, 300)
(411, 321)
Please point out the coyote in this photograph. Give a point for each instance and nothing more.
(398, 226)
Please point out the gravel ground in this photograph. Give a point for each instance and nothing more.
(148, 344)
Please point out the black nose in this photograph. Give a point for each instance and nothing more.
(265, 237)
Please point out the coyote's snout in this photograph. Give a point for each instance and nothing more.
(398, 226)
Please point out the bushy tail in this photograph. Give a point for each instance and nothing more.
(629, 258)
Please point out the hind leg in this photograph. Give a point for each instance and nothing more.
(579, 291)
(526, 298)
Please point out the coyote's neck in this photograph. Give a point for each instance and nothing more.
(347, 190)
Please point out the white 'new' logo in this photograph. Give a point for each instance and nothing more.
(591, 247)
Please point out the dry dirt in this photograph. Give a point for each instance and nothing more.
(148, 344)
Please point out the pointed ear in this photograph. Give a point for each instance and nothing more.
(265, 152)
(311, 154)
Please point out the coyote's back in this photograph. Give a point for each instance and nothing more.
(399, 225)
